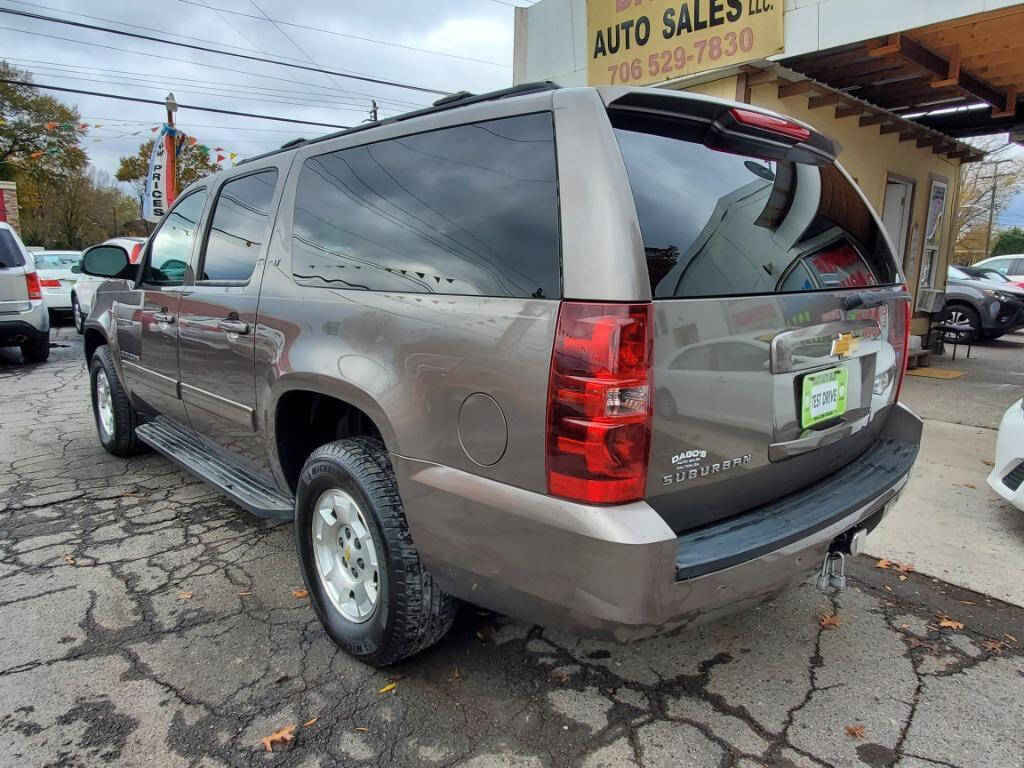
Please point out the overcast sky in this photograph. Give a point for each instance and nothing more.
(480, 31)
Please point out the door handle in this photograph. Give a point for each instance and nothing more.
(233, 326)
(163, 317)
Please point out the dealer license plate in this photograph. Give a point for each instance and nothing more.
(824, 396)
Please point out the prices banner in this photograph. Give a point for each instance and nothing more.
(638, 42)
(159, 177)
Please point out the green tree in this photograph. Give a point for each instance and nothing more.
(193, 164)
(1009, 241)
(34, 124)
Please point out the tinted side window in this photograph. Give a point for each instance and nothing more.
(467, 210)
(10, 253)
(1017, 267)
(721, 224)
(241, 218)
(172, 244)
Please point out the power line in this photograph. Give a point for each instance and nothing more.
(343, 34)
(161, 103)
(248, 57)
(325, 91)
(192, 63)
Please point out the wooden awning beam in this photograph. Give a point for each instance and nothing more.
(917, 53)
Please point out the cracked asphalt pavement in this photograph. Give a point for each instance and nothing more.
(148, 621)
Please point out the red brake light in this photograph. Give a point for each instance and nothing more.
(599, 402)
(35, 291)
(133, 257)
(770, 123)
(47, 282)
(902, 348)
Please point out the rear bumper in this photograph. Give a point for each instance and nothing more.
(620, 572)
(1007, 476)
(57, 299)
(18, 327)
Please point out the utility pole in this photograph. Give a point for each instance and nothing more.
(373, 110)
(171, 161)
(992, 205)
(114, 209)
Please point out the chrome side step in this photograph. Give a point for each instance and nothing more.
(241, 486)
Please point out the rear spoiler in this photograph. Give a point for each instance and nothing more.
(720, 124)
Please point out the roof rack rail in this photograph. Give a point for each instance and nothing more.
(462, 98)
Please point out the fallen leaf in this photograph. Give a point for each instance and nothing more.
(883, 563)
(988, 463)
(966, 602)
(903, 577)
(994, 646)
(300, 593)
(1010, 637)
(830, 622)
(916, 642)
(855, 731)
(560, 676)
(282, 736)
(361, 730)
(243, 594)
(948, 623)
(887, 587)
(69, 559)
(905, 568)
(184, 595)
(387, 688)
(310, 722)
(456, 674)
(968, 485)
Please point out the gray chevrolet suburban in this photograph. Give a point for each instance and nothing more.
(612, 360)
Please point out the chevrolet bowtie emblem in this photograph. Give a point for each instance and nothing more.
(844, 344)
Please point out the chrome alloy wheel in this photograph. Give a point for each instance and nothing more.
(346, 558)
(104, 403)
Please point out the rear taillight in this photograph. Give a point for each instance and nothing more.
(35, 291)
(599, 402)
(770, 123)
(900, 340)
(49, 283)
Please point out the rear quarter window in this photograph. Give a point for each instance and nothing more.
(470, 210)
(716, 223)
(10, 253)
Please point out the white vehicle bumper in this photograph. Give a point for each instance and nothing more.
(1007, 476)
(57, 298)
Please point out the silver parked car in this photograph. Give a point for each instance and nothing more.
(24, 320)
(613, 360)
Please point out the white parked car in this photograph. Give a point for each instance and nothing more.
(86, 285)
(1007, 476)
(57, 277)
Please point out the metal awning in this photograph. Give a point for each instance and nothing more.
(822, 95)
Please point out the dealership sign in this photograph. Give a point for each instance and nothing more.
(637, 42)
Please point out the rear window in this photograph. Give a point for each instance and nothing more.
(716, 223)
(10, 253)
(469, 210)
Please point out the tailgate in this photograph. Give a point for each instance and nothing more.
(13, 288)
(779, 314)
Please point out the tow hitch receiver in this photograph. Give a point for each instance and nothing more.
(833, 567)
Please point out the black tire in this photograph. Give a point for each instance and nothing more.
(76, 313)
(411, 612)
(36, 349)
(969, 314)
(122, 442)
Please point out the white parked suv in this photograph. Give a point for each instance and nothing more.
(85, 286)
(1007, 476)
(24, 319)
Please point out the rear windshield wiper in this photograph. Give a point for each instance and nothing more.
(868, 299)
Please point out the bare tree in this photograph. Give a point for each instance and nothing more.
(976, 186)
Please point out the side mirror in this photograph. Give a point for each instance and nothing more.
(107, 261)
